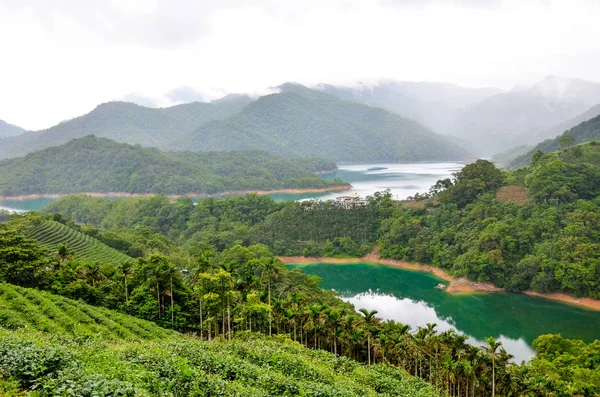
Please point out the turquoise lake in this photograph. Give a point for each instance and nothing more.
(410, 297)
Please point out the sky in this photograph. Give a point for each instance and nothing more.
(59, 59)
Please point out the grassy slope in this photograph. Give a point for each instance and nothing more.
(70, 348)
(50, 234)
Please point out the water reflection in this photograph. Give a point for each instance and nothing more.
(410, 297)
(419, 313)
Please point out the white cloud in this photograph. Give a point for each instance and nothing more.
(61, 58)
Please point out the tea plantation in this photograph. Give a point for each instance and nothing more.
(51, 234)
(53, 346)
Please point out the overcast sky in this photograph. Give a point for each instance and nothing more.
(60, 58)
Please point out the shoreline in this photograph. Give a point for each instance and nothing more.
(456, 285)
(176, 196)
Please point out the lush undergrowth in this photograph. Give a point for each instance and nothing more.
(29, 309)
(51, 234)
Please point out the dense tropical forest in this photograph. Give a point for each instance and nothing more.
(221, 299)
(532, 229)
(100, 165)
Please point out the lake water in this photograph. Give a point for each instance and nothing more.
(403, 180)
(410, 298)
(25, 205)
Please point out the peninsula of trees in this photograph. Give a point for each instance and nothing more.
(100, 165)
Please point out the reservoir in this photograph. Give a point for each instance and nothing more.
(410, 297)
(402, 180)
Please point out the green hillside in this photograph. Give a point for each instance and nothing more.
(101, 165)
(51, 234)
(65, 348)
(584, 132)
(126, 122)
(303, 122)
(26, 309)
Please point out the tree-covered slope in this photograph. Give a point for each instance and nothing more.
(101, 165)
(584, 132)
(126, 122)
(7, 130)
(302, 122)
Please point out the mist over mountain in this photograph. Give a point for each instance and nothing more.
(7, 130)
(126, 122)
(299, 121)
(434, 105)
(585, 132)
(514, 118)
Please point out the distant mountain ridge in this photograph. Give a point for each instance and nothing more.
(487, 121)
(508, 119)
(126, 122)
(434, 105)
(7, 130)
(299, 121)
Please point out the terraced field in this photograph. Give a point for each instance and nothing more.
(25, 308)
(51, 234)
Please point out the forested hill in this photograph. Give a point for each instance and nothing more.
(299, 121)
(126, 122)
(584, 132)
(7, 130)
(101, 165)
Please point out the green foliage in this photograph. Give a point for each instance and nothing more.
(99, 165)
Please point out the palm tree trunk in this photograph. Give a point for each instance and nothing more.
(228, 321)
(201, 325)
(172, 303)
(158, 298)
(369, 348)
(493, 377)
(270, 312)
(126, 295)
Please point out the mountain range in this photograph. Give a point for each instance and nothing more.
(299, 121)
(486, 120)
(295, 122)
(385, 121)
(128, 123)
